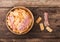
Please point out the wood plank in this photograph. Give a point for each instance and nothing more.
(30, 3)
(35, 32)
(30, 40)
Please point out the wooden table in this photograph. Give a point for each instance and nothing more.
(38, 8)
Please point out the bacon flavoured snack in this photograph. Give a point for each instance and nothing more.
(19, 20)
(41, 26)
(49, 29)
(38, 19)
(46, 22)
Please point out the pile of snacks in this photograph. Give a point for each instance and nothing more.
(19, 20)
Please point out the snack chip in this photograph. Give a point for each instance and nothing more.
(49, 29)
(41, 26)
(38, 20)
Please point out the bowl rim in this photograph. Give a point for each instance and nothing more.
(28, 12)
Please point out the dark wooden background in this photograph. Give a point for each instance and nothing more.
(38, 7)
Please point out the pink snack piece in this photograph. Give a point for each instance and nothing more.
(11, 18)
(13, 27)
(46, 23)
(21, 26)
(24, 24)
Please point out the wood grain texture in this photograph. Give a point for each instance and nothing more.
(30, 3)
(38, 7)
(29, 40)
(35, 32)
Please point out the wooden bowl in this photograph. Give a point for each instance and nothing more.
(30, 13)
